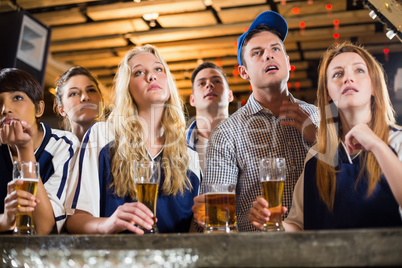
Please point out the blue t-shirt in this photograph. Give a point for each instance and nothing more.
(353, 208)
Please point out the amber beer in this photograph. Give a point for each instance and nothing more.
(220, 212)
(147, 194)
(273, 193)
(24, 221)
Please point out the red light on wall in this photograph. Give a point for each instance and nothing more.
(250, 87)
(297, 85)
(386, 54)
(295, 11)
(235, 72)
(288, 84)
(336, 35)
(219, 62)
(292, 67)
(243, 102)
(302, 26)
(336, 24)
(245, 29)
(329, 10)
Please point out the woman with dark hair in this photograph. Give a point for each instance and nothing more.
(78, 100)
(353, 176)
(24, 138)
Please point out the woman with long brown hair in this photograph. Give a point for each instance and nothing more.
(353, 176)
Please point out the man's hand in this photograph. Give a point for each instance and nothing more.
(294, 116)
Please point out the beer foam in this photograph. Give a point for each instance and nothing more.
(28, 179)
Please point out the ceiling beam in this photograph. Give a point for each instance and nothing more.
(61, 17)
(30, 4)
(93, 29)
(131, 9)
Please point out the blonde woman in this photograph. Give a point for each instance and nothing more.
(353, 177)
(146, 123)
(78, 100)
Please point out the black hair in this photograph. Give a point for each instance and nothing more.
(203, 66)
(13, 79)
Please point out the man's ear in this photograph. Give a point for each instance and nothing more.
(230, 96)
(40, 109)
(192, 100)
(243, 72)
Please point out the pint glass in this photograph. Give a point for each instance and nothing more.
(220, 208)
(272, 177)
(28, 172)
(147, 177)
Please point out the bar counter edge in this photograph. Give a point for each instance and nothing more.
(340, 248)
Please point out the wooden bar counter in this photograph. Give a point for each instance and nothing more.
(343, 248)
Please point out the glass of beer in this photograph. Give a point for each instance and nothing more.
(272, 177)
(28, 172)
(146, 177)
(220, 208)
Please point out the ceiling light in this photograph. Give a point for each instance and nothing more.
(372, 14)
(208, 3)
(390, 34)
(150, 16)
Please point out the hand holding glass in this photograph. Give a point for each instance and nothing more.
(28, 172)
(220, 208)
(272, 177)
(146, 177)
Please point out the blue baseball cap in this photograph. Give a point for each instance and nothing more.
(269, 18)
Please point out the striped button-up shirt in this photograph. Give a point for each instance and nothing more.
(242, 140)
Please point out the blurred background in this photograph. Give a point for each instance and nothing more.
(46, 37)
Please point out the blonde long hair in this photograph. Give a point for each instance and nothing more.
(328, 139)
(129, 144)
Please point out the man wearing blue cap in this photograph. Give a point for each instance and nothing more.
(271, 124)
